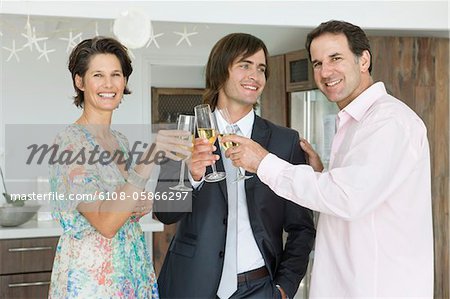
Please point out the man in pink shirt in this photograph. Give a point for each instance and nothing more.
(374, 235)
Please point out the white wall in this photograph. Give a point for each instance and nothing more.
(189, 76)
(39, 92)
(35, 91)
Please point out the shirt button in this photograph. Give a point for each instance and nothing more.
(221, 254)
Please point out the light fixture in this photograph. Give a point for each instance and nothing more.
(132, 28)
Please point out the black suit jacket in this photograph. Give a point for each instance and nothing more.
(193, 264)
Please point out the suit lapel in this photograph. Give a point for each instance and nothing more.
(261, 135)
(260, 131)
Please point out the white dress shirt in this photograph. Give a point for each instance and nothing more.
(248, 255)
(374, 235)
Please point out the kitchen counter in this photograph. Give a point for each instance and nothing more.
(51, 228)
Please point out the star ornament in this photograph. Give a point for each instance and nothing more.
(185, 36)
(13, 51)
(44, 52)
(153, 38)
(28, 35)
(32, 39)
(96, 29)
(72, 41)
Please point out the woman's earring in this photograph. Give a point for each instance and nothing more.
(119, 103)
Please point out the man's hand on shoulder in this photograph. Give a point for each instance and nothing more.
(312, 157)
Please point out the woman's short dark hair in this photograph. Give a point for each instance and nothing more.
(222, 56)
(356, 37)
(82, 54)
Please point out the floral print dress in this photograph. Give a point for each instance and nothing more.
(88, 265)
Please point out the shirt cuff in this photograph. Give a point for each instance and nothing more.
(195, 184)
(270, 168)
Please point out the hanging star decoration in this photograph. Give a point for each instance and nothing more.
(185, 36)
(28, 35)
(96, 29)
(13, 51)
(153, 38)
(72, 41)
(44, 52)
(32, 39)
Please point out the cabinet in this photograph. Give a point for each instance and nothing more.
(25, 267)
(168, 103)
(289, 72)
(299, 72)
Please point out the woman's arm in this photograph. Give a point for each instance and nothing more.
(108, 216)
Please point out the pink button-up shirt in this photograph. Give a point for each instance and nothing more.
(374, 235)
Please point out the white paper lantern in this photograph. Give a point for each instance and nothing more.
(132, 28)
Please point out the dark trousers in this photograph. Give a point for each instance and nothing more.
(262, 288)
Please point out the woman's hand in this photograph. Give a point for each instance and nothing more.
(173, 142)
(168, 143)
(143, 206)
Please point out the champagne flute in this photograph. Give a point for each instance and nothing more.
(231, 129)
(185, 123)
(207, 128)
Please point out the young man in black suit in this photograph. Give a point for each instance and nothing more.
(196, 262)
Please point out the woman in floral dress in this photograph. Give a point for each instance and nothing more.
(102, 252)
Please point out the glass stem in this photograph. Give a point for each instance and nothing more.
(213, 166)
(181, 181)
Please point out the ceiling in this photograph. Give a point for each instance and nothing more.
(278, 38)
(379, 14)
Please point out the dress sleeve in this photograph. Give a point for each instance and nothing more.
(124, 146)
(77, 182)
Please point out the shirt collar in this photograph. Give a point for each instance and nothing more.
(359, 106)
(246, 124)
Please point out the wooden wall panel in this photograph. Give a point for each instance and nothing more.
(274, 97)
(441, 171)
(416, 70)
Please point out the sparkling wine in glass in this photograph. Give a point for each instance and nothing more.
(185, 123)
(231, 129)
(207, 128)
